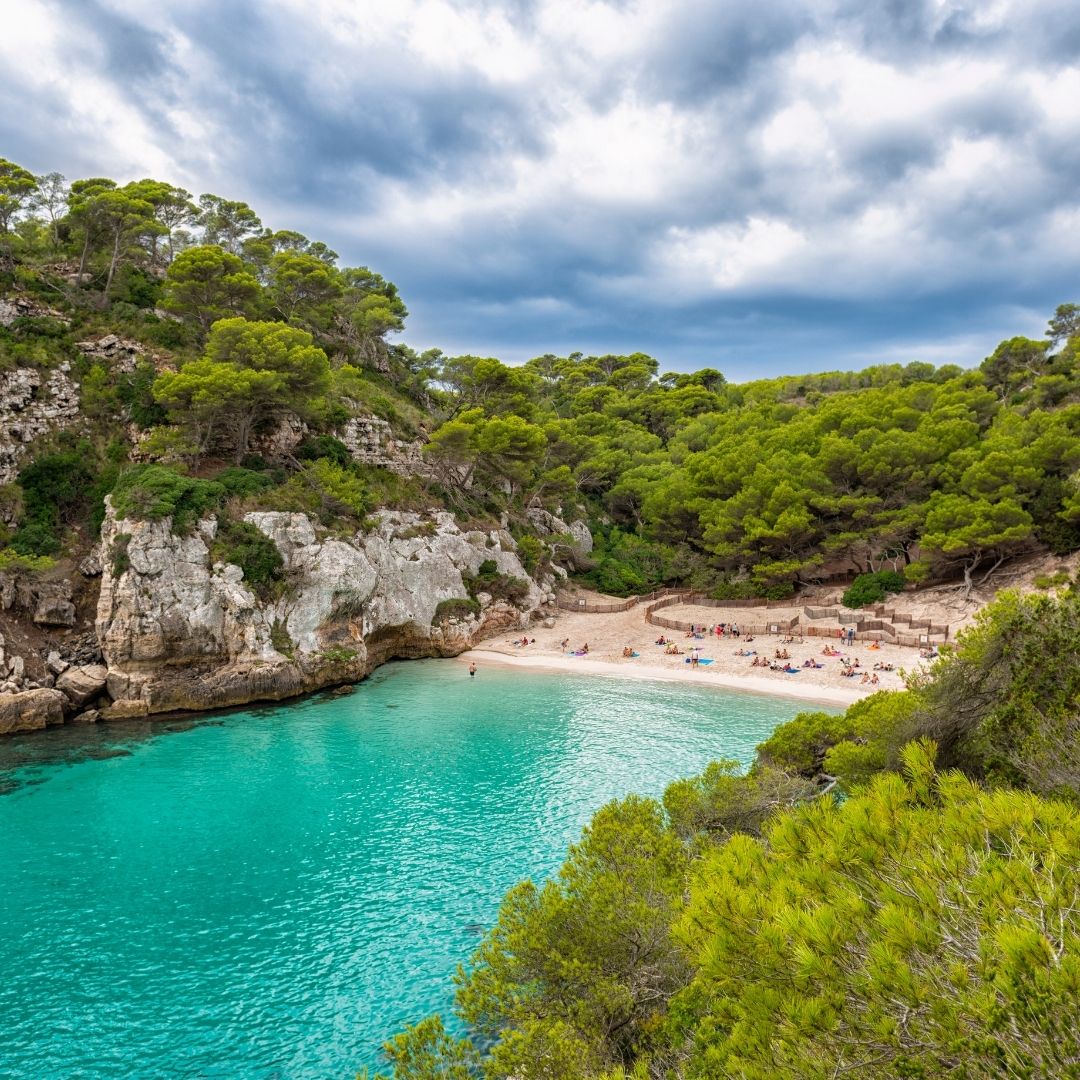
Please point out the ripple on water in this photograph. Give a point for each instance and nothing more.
(273, 893)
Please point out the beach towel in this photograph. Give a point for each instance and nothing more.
(704, 661)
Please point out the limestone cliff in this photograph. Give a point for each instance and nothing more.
(181, 632)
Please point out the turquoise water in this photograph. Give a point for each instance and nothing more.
(272, 893)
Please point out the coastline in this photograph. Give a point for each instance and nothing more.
(732, 664)
(702, 676)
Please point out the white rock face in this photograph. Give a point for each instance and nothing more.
(371, 441)
(180, 633)
(31, 405)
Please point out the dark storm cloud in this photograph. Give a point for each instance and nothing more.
(790, 184)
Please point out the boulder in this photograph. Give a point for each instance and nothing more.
(56, 663)
(83, 684)
(87, 716)
(54, 611)
(90, 565)
(31, 710)
(125, 709)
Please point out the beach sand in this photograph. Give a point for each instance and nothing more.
(608, 634)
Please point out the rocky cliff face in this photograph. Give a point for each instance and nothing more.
(180, 632)
(32, 404)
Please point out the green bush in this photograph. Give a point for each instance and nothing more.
(118, 553)
(136, 391)
(243, 545)
(456, 608)
(324, 446)
(530, 551)
(324, 490)
(15, 560)
(153, 492)
(734, 590)
(779, 590)
(57, 488)
(487, 579)
(799, 746)
(338, 654)
(242, 482)
(280, 639)
(872, 588)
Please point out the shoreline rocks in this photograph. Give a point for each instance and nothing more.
(180, 633)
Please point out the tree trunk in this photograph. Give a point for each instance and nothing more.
(112, 262)
(82, 260)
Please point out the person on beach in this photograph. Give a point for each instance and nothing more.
(850, 636)
(472, 670)
(564, 644)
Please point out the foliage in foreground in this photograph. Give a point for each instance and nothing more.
(757, 926)
(924, 927)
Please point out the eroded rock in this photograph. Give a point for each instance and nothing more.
(83, 684)
(180, 633)
(54, 611)
(31, 710)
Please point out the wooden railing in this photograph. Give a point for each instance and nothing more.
(608, 607)
(876, 629)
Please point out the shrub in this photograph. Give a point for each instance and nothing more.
(447, 610)
(243, 545)
(324, 489)
(136, 391)
(56, 488)
(498, 586)
(530, 551)
(872, 588)
(153, 492)
(280, 639)
(734, 590)
(324, 446)
(338, 655)
(118, 553)
(14, 560)
(242, 482)
(778, 590)
(799, 746)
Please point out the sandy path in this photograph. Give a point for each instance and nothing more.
(608, 634)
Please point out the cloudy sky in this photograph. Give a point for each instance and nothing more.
(761, 186)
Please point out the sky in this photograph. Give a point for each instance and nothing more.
(760, 186)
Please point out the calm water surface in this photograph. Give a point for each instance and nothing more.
(272, 893)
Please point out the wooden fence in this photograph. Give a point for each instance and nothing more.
(882, 628)
(608, 607)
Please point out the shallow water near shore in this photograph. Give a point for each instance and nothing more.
(273, 893)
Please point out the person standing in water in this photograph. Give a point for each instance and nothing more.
(472, 669)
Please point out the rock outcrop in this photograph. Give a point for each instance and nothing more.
(31, 405)
(371, 441)
(181, 632)
(82, 684)
(31, 710)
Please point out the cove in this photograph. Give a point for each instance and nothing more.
(272, 893)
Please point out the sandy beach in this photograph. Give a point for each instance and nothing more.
(608, 634)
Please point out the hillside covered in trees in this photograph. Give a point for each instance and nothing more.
(750, 489)
(891, 892)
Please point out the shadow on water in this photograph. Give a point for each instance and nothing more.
(26, 757)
